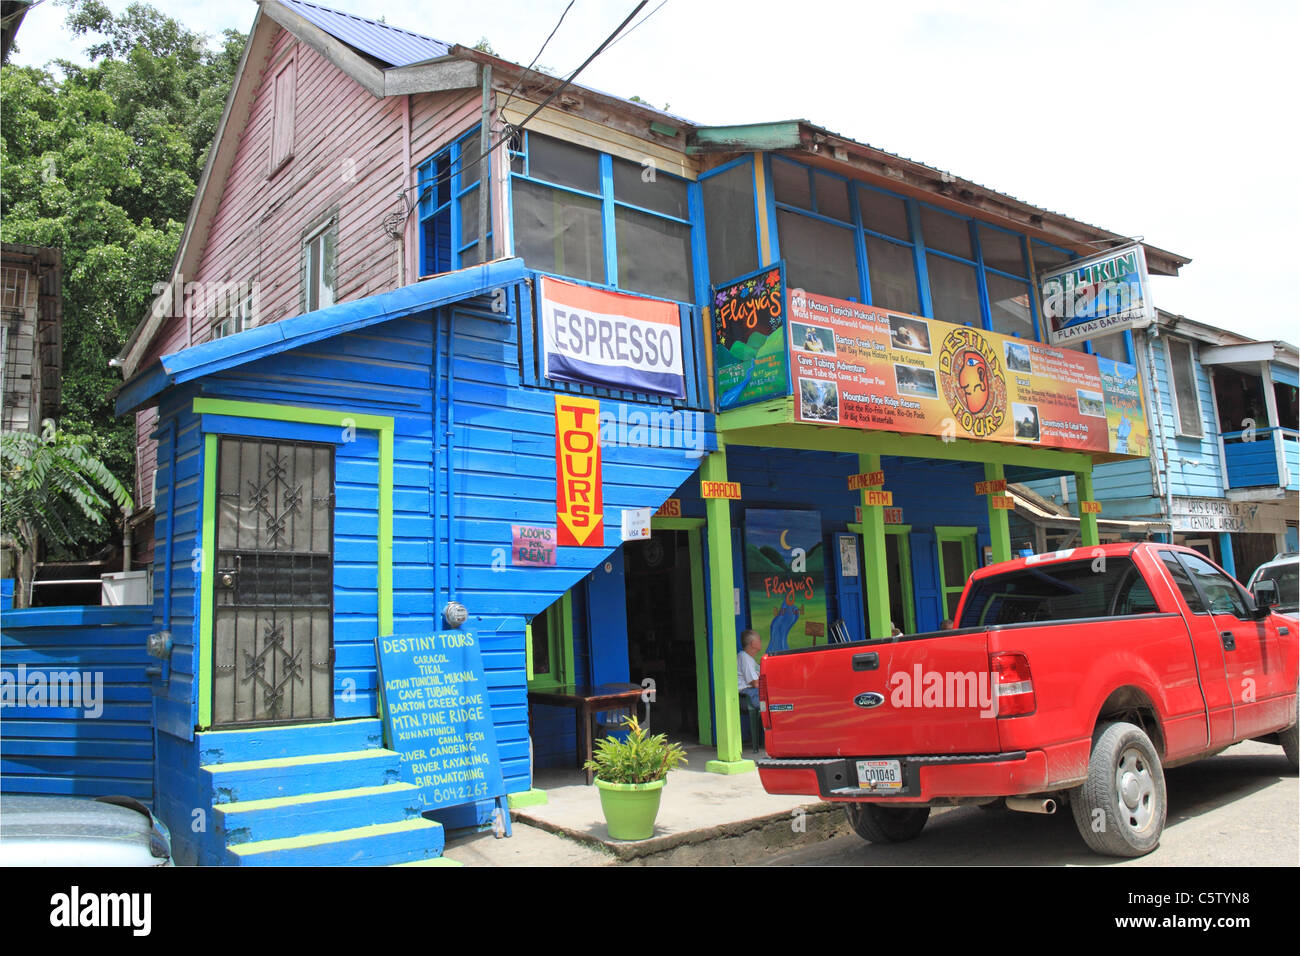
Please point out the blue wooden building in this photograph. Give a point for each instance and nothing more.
(356, 411)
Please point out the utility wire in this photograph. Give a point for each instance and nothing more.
(528, 69)
(512, 130)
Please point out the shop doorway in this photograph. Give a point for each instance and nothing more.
(898, 561)
(666, 640)
(956, 548)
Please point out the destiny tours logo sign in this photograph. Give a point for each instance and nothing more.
(973, 382)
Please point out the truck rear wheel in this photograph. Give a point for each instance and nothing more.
(1120, 809)
(886, 824)
(1288, 739)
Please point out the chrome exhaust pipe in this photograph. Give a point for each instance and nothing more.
(1032, 804)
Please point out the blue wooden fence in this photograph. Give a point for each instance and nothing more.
(76, 701)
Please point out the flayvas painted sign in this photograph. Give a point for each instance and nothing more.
(785, 569)
(598, 337)
(437, 716)
(579, 500)
(749, 351)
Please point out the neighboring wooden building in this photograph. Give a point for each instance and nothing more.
(353, 332)
(31, 316)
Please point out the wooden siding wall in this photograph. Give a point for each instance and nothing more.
(502, 473)
(349, 155)
(68, 750)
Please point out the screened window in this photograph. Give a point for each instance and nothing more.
(1009, 306)
(284, 113)
(954, 290)
(564, 199)
(320, 267)
(449, 190)
(729, 222)
(892, 268)
(819, 256)
(1182, 372)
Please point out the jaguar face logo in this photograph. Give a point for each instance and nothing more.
(973, 382)
(869, 699)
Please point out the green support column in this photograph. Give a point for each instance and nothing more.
(1087, 523)
(999, 520)
(875, 573)
(726, 694)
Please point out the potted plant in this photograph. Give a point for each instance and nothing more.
(630, 775)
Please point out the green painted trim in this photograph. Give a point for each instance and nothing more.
(301, 760)
(527, 798)
(773, 412)
(749, 136)
(730, 766)
(726, 695)
(875, 571)
(559, 629)
(528, 652)
(967, 536)
(676, 524)
(566, 638)
(207, 556)
(807, 437)
(999, 520)
(700, 624)
(903, 532)
(1088, 534)
(332, 836)
(383, 424)
(268, 803)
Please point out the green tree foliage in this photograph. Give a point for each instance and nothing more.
(101, 161)
(51, 484)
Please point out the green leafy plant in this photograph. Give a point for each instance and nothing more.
(641, 758)
(47, 483)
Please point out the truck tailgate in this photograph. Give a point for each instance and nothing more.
(928, 694)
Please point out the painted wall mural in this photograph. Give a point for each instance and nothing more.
(785, 571)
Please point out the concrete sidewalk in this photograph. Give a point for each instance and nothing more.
(704, 819)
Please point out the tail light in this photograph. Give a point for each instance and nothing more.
(1013, 687)
(762, 702)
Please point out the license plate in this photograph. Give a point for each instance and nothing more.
(880, 775)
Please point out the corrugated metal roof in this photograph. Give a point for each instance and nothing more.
(392, 45)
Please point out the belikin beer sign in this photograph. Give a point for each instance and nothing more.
(1105, 293)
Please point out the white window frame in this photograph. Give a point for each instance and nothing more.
(317, 293)
(1173, 389)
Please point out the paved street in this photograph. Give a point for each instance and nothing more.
(1237, 809)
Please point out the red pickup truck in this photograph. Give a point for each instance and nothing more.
(1073, 677)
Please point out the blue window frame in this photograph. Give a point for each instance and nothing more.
(603, 220)
(449, 189)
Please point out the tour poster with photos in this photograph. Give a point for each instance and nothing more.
(749, 357)
(438, 718)
(867, 367)
(785, 567)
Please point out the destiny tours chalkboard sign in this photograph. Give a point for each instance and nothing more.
(750, 358)
(437, 716)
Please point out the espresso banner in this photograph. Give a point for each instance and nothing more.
(866, 367)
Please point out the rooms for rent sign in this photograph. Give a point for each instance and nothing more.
(597, 337)
(867, 367)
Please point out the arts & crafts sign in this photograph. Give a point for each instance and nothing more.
(1099, 295)
(866, 367)
(598, 337)
(749, 356)
(785, 570)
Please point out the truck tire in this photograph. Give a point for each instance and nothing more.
(886, 824)
(1120, 809)
(1287, 738)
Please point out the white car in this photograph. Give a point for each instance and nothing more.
(1284, 572)
(80, 831)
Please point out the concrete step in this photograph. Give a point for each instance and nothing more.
(379, 844)
(274, 818)
(268, 743)
(297, 776)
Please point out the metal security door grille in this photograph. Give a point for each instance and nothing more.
(274, 583)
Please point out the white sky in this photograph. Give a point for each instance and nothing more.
(1173, 121)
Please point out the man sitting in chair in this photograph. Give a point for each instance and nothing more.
(747, 674)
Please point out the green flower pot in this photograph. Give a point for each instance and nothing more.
(630, 808)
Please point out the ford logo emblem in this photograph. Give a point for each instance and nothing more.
(869, 699)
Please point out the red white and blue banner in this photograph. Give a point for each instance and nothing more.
(598, 337)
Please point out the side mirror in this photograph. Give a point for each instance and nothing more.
(1265, 597)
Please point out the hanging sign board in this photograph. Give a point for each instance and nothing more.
(636, 524)
(599, 337)
(437, 716)
(993, 487)
(720, 489)
(1002, 502)
(749, 351)
(672, 508)
(579, 500)
(866, 480)
(876, 369)
(1090, 507)
(1099, 295)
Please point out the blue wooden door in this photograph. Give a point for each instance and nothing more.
(848, 585)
